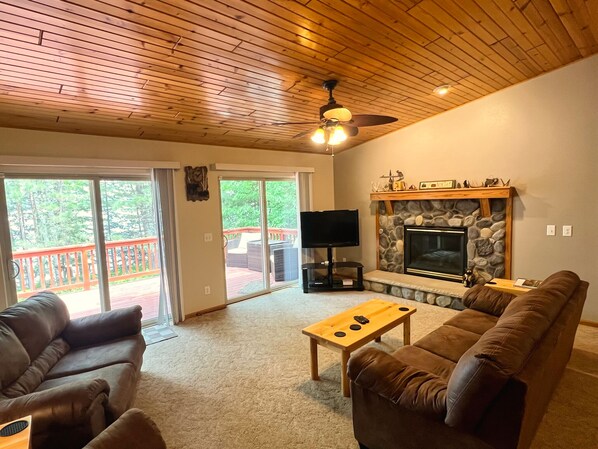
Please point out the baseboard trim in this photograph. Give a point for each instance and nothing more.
(589, 323)
(204, 311)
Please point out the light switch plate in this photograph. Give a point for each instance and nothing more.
(567, 230)
(550, 229)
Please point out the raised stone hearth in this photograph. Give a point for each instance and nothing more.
(417, 288)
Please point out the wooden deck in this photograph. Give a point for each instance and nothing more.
(144, 292)
(243, 281)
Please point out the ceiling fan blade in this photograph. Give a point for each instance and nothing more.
(350, 131)
(371, 120)
(303, 133)
(295, 123)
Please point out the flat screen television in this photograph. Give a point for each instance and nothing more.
(330, 228)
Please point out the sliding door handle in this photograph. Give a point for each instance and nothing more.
(15, 271)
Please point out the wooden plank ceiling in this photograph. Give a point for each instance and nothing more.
(222, 72)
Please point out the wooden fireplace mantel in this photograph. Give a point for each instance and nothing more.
(483, 194)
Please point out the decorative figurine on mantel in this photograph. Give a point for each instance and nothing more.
(399, 182)
(491, 182)
(395, 182)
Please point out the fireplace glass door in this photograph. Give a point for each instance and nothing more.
(438, 252)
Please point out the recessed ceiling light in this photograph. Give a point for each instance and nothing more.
(442, 90)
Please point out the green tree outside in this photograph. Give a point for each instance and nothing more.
(241, 204)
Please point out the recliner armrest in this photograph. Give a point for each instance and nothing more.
(103, 327)
(487, 300)
(67, 405)
(401, 384)
(133, 430)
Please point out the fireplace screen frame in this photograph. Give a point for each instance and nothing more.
(435, 230)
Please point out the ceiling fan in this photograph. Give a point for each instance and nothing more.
(337, 122)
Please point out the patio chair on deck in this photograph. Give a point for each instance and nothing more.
(285, 260)
(236, 250)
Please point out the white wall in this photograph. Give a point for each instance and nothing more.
(542, 134)
(201, 263)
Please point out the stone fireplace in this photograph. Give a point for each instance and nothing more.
(483, 218)
(484, 235)
(435, 251)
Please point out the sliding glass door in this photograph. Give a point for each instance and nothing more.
(52, 236)
(259, 222)
(92, 241)
(131, 242)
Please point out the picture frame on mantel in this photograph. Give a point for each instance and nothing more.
(444, 184)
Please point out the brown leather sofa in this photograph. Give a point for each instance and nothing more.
(74, 376)
(482, 380)
(133, 430)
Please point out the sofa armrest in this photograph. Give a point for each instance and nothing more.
(103, 327)
(487, 300)
(68, 405)
(403, 385)
(133, 430)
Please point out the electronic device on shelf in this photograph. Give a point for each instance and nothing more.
(330, 228)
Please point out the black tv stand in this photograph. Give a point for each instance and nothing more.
(328, 282)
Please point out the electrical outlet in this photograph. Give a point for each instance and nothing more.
(207, 290)
(207, 237)
(550, 229)
(567, 230)
(344, 259)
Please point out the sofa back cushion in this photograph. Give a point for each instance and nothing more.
(15, 359)
(503, 350)
(36, 321)
(36, 372)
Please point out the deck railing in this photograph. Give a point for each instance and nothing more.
(273, 233)
(74, 267)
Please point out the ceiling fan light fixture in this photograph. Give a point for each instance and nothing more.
(341, 114)
(319, 136)
(442, 90)
(338, 136)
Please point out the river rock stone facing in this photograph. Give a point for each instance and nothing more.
(486, 235)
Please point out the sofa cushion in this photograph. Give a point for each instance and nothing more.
(15, 359)
(473, 321)
(122, 379)
(37, 321)
(124, 350)
(487, 300)
(425, 361)
(36, 372)
(102, 327)
(448, 342)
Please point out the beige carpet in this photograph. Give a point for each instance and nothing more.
(239, 378)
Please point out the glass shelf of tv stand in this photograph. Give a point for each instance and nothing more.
(328, 282)
(324, 265)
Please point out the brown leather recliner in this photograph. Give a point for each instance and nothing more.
(74, 376)
(483, 380)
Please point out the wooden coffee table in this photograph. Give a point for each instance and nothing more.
(383, 316)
